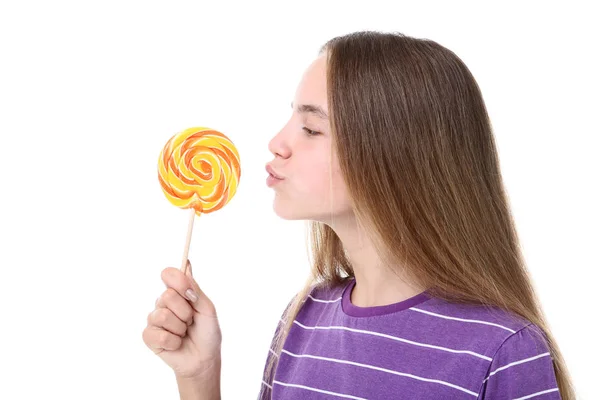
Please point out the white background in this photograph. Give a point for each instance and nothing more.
(91, 91)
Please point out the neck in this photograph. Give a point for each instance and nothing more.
(377, 282)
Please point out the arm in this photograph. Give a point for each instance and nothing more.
(206, 387)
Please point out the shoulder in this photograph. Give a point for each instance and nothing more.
(523, 351)
(518, 354)
(522, 367)
(488, 326)
(529, 341)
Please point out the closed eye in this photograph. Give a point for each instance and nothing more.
(310, 132)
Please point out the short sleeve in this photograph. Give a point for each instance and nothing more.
(522, 368)
(267, 380)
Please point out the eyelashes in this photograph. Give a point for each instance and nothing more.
(310, 132)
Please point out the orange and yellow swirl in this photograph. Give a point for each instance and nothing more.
(199, 168)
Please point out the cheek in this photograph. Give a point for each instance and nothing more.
(325, 188)
(317, 178)
(339, 193)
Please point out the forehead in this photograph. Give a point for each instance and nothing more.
(313, 85)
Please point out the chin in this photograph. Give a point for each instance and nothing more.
(298, 214)
(288, 213)
(290, 210)
(295, 210)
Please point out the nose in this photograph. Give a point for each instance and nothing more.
(279, 146)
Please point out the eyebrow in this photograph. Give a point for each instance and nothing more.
(311, 109)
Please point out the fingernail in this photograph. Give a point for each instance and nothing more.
(191, 295)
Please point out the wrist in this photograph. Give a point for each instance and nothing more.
(202, 385)
(207, 372)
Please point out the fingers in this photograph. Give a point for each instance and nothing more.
(186, 287)
(159, 339)
(165, 319)
(179, 306)
(174, 278)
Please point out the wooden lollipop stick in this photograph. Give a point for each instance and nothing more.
(188, 240)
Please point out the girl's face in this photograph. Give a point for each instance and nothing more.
(311, 187)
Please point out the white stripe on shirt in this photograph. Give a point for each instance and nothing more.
(474, 321)
(325, 301)
(529, 396)
(512, 364)
(389, 371)
(394, 338)
(265, 383)
(347, 396)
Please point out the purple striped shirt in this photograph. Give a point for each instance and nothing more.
(420, 348)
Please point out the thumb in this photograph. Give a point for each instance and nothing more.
(188, 269)
(188, 273)
(203, 305)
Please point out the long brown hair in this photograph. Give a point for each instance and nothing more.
(417, 153)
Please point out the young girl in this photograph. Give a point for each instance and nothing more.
(418, 288)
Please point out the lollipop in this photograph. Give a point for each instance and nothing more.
(198, 169)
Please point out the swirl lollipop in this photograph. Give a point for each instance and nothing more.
(198, 169)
